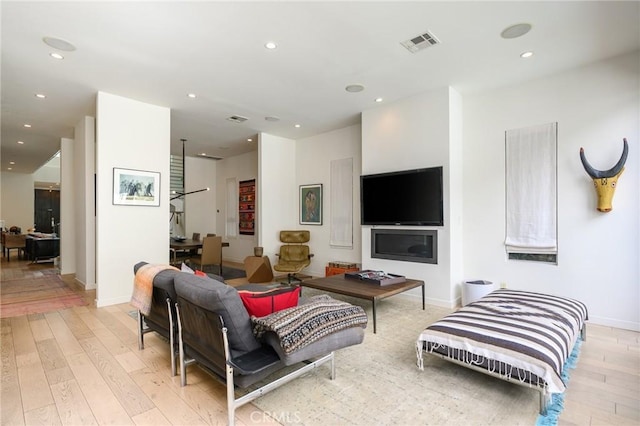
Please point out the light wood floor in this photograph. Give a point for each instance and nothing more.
(82, 366)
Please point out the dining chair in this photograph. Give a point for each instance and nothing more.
(211, 253)
(15, 242)
(177, 257)
(211, 235)
(195, 237)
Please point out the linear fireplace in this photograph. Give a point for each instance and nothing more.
(420, 245)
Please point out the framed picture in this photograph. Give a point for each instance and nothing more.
(311, 204)
(136, 187)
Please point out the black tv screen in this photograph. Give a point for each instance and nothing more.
(408, 197)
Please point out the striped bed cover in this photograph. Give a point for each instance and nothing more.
(515, 335)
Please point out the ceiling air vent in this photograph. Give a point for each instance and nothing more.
(420, 42)
(237, 119)
(212, 157)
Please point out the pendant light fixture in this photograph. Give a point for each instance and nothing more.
(182, 194)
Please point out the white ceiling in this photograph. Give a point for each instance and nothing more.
(157, 52)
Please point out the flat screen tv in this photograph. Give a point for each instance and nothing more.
(408, 197)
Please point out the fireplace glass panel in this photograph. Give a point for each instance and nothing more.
(407, 245)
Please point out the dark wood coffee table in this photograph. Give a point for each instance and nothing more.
(363, 290)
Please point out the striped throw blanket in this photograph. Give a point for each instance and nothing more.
(517, 335)
(302, 325)
(143, 286)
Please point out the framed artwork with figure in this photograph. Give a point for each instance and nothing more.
(311, 204)
(136, 187)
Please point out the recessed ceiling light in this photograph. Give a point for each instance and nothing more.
(354, 88)
(9, 168)
(191, 95)
(27, 125)
(297, 126)
(204, 154)
(249, 140)
(12, 162)
(379, 99)
(58, 43)
(272, 118)
(526, 54)
(20, 143)
(515, 31)
(56, 55)
(270, 45)
(40, 95)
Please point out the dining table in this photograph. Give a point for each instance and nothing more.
(186, 245)
(189, 244)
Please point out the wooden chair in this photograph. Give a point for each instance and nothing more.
(211, 253)
(15, 242)
(177, 257)
(195, 237)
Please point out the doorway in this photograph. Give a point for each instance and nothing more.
(46, 216)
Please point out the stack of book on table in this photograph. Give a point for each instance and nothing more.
(375, 277)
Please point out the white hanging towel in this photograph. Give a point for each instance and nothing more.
(531, 173)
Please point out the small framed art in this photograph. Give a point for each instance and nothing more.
(136, 187)
(311, 204)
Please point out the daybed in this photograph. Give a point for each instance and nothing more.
(215, 330)
(517, 336)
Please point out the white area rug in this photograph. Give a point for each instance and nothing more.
(378, 382)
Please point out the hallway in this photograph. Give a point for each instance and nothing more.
(28, 288)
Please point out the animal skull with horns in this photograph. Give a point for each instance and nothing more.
(605, 181)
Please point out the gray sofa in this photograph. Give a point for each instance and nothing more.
(208, 324)
(162, 317)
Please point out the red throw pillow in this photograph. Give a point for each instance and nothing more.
(262, 302)
(200, 273)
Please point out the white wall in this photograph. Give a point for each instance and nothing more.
(200, 208)
(409, 134)
(313, 164)
(17, 200)
(277, 191)
(68, 224)
(241, 167)
(49, 172)
(84, 205)
(598, 253)
(131, 135)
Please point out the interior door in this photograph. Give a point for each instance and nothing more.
(47, 210)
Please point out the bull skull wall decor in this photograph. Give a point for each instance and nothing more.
(605, 181)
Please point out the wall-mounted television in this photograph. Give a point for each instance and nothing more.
(408, 197)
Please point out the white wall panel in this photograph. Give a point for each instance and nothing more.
(595, 107)
(313, 163)
(131, 135)
(17, 200)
